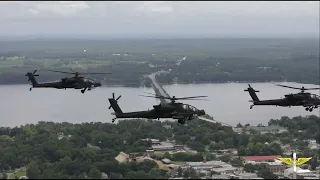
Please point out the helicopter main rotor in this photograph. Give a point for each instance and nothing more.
(76, 74)
(173, 98)
(303, 89)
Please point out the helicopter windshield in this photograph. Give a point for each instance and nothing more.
(315, 96)
(189, 107)
(88, 80)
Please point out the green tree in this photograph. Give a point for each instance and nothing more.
(266, 174)
(33, 171)
(249, 168)
(94, 173)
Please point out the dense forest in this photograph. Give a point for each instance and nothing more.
(188, 60)
(65, 150)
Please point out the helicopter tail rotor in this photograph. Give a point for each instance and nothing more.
(250, 89)
(113, 98)
(31, 76)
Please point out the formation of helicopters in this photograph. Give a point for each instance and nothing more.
(168, 107)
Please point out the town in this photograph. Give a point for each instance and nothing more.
(232, 167)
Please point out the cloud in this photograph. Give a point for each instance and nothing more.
(177, 17)
(65, 8)
(156, 6)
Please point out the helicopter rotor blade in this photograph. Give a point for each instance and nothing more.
(60, 71)
(196, 99)
(94, 73)
(150, 93)
(174, 98)
(118, 98)
(34, 71)
(287, 86)
(113, 95)
(311, 88)
(296, 87)
(191, 97)
(159, 97)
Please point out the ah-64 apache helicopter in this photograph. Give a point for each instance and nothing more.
(307, 100)
(76, 82)
(173, 110)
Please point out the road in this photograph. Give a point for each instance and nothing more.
(160, 91)
(157, 88)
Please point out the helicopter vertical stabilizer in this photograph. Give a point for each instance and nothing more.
(32, 78)
(252, 93)
(114, 105)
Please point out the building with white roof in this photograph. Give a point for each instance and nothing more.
(301, 173)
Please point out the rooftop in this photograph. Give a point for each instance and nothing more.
(208, 163)
(267, 128)
(261, 158)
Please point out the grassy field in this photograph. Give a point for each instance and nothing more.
(18, 174)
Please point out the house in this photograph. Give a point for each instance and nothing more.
(150, 152)
(225, 169)
(153, 141)
(122, 157)
(275, 166)
(167, 146)
(104, 176)
(261, 158)
(221, 176)
(301, 173)
(267, 129)
(218, 166)
(313, 144)
(143, 158)
(166, 161)
(244, 176)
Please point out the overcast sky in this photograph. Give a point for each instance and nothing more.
(159, 18)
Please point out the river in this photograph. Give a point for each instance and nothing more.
(227, 103)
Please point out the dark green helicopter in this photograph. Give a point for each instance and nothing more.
(172, 109)
(75, 82)
(307, 100)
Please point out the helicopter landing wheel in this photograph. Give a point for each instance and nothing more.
(310, 109)
(30, 89)
(307, 109)
(82, 91)
(113, 120)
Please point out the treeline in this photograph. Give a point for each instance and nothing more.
(63, 150)
(300, 127)
(207, 60)
(209, 70)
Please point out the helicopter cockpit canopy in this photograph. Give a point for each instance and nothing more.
(87, 80)
(315, 96)
(189, 107)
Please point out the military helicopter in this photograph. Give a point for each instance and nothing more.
(173, 110)
(76, 82)
(307, 100)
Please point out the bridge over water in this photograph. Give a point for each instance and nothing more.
(161, 92)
